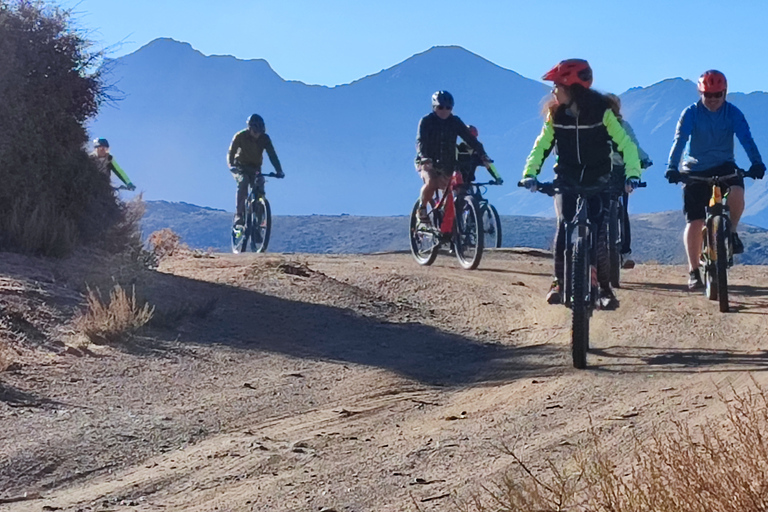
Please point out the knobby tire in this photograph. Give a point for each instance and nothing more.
(262, 223)
(580, 304)
(614, 254)
(417, 238)
(491, 226)
(721, 232)
(468, 233)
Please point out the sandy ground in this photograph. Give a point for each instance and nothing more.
(347, 383)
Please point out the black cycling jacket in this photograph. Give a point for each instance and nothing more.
(436, 139)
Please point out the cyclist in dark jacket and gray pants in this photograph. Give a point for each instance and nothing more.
(436, 148)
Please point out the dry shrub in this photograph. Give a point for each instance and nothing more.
(164, 243)
(40, 229)
(115, 320)
(711, 467)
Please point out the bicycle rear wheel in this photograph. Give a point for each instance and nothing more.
(261, 225)
(719, 225)
(424, 242)
(614, 255)
(491, 226)
(468, 237)
(580, 304)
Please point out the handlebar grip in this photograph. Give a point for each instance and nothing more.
(642, 184)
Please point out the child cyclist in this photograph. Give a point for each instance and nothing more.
(581, 126)
(618, 180)
(468, 160)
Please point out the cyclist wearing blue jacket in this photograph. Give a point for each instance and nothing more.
(705, 131)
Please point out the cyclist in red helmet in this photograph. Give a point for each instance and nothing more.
(581, 127)
(707, 128)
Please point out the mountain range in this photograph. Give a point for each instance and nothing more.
(350, 148)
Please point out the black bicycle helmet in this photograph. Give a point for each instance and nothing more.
(256, 123)
(442, 99)
(100, 143)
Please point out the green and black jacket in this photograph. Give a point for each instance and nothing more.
(583, 143)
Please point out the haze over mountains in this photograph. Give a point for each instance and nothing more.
(350, 148)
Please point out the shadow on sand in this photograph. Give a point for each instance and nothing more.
(694, 360)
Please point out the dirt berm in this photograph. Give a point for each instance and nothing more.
(347, 383)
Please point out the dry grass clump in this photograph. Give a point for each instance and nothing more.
(164, 243)
(712, 467)
(113, 321)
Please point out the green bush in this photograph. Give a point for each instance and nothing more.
(51, 196)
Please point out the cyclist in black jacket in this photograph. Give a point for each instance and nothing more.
(436, 147)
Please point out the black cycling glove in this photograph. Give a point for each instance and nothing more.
(757, 171)
(672, 175)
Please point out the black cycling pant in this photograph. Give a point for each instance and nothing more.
(248, 177)
(696, 194)
(565, 206)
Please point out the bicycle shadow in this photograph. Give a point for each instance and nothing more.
(690, 360)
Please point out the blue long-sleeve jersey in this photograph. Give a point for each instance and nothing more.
(707, 138)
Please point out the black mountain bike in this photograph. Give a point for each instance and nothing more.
(717, 245)
(617, 212)
(491, 220)
(258, 221)
(580, 291)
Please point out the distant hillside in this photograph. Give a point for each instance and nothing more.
(656, 237)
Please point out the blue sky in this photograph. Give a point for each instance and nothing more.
(331, 42)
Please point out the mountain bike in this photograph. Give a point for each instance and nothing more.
(491, 220)
(257, 227)
(717, 244)
(615, 223)
(454, 220)
(580, 277)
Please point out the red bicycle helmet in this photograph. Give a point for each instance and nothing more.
(473, 130)
(712, 81)
(569, 72)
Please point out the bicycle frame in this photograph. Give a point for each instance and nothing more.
(448, 204)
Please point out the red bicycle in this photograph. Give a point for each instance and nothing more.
(455, 221)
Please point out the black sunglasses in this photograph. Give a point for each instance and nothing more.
(713, 94)
(443, 107)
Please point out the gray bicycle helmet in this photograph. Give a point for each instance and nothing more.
(442, 99)
(256, 123)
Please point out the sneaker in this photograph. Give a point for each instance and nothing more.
(738, 246)
(554, 295)
(627, 262)
(606, 300)
(694, 280)
(423, 217)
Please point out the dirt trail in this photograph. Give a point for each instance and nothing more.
(360, 383)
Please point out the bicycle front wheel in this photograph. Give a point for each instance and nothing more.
(424, 241)
(468, 237)
(614, 255)
(580, 304)
(721, 232)
(491, 226)
(261, 225)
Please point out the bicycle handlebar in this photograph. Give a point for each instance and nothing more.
(686, 177)
(494, 182)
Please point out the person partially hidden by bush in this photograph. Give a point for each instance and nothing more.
(51, 198)
(107, 164)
